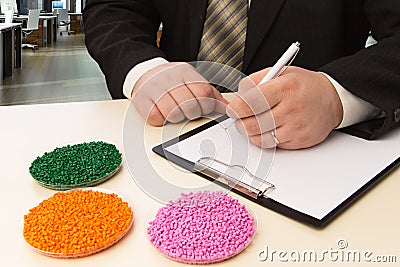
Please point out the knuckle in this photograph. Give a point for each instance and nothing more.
(297, 108)
(245, 84)
(242, 83)
(292, 81)
(293, 109)
(186, 66)
(204, 91)
(253, 128)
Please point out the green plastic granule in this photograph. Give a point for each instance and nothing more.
(71, 166)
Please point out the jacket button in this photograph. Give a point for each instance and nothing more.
(397, 115)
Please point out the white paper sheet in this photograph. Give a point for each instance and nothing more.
(313, 181)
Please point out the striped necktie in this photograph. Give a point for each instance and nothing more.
(224, 32)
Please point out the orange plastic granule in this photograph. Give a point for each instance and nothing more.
(77, 223)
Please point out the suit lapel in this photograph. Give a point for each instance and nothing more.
(261, 16)
(197, 15)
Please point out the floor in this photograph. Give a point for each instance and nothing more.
(62, 72)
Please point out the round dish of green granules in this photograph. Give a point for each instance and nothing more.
(80, 165)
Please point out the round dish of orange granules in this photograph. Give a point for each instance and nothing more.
(77, 223)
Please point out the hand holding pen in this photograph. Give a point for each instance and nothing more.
(280, 66)
(291, 107)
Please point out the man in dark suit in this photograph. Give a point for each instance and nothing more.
(337, 82)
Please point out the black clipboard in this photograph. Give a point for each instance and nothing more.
(268, 202)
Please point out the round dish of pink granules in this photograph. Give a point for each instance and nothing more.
(203, 227)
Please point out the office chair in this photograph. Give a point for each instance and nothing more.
(9, 16)
(63, 20)
(32, 24)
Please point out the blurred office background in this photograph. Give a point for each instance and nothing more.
(58, 71)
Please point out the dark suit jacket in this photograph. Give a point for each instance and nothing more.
(122, 33)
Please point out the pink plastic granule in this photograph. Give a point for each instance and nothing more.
(202, 227)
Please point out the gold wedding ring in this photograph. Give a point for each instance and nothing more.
(275, 139)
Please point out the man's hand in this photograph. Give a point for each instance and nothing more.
(175, 91)
(304, 105)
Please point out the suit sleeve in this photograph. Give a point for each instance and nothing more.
(120, 34)
(373, 73)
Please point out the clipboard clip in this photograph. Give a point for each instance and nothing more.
(253, 191)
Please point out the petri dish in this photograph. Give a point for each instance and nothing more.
(76, 166)
(63, 227)
(200, 234)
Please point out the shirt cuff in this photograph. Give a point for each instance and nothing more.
(137, 71)
(355, 109)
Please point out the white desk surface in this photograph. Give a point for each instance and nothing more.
(6, 26)
(69, 13)
(371, 224)
(25, 17)
(47, 17)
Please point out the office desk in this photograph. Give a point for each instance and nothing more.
(10, 48)
(371, 224)
(75, 19)
(47, 32)
(76, 22)
(49, 23)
